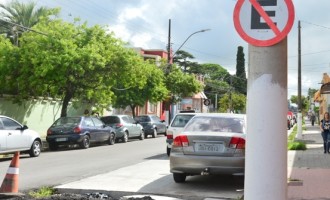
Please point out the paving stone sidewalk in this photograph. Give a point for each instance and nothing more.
(311, 168)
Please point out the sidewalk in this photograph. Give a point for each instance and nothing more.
(311, 168)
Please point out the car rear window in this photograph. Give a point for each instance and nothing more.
(67, 121)
(181, 120)
(215, 124)
(142, 119)
(110, 120)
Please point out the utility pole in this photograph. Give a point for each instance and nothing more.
(169, 44)
(299, 129)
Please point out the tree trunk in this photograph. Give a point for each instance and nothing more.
(133, 110)
(68, 96)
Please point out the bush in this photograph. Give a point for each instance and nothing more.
(296, 146)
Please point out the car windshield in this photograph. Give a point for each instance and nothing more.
(110, 120)
(68, 121)
(215, 124)
(181, 120)
(142, 119)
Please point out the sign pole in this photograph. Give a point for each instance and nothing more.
(266, 149)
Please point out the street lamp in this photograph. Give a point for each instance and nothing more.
(200, 31)
(169, 65)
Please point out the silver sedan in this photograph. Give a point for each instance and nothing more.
(209, 144)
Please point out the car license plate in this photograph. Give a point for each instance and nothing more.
(61, 139)
(205, 147)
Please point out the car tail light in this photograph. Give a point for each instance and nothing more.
(237, 143)
(181, 141)
(119, 125)
(77, 129)
(49, 132)
(169, 136)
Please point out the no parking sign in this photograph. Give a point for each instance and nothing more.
(263, 22)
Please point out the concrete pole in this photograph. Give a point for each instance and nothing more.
(299, 120)
(266, 147)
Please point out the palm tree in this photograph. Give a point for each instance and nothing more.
(15, 16)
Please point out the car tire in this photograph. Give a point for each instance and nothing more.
(124, 139)
(154, 134)
(35, 149)
(168, 151)
(141, 137)
(179, 177)
(53, 146)
(85, 142)
(112, 139)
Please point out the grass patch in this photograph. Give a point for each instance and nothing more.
(42, 192)
(293, 144)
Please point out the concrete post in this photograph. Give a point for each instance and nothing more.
(266, 148)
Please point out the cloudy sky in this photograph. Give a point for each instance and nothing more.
(144, 23)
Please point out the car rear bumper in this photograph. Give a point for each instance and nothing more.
(191, 164)
(65, 139)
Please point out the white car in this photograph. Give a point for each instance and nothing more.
(17, 137)
(176, 127)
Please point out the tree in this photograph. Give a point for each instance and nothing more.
(239, 81)
(72, 62)
(151, 87)
(16, 15)
(181, 59)
(235, 102)
(304, 101)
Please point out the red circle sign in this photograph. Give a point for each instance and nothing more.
(263, 23)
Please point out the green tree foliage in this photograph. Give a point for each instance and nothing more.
(304, 102)
(150, 87)
(239, 81)
(235, 102)
(21, 15)
(182, 59)
(72, 62)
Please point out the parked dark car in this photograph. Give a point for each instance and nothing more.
(79, 130)
(152, 125)
(17, 137)
(126, 127)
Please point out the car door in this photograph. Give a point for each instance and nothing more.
(135, 128)
(3, 138)
(161, 127)
(102, 131)
(89, 127)
(17, 139)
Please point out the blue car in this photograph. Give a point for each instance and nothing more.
(79, 130)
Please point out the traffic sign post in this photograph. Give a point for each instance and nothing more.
(264, 24)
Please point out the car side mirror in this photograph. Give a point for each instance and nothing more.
(24, 127)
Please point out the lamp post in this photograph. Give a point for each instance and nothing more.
(200, 31)
(169, 58)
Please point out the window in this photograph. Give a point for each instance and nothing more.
(10, 124)
(88, 122)
(97, 122)
(151, 107)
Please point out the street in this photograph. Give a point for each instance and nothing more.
(133, 167)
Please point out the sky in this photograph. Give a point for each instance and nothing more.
(145, 24)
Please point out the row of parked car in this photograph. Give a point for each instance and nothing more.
(81, 130)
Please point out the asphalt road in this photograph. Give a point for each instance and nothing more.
(147, 158)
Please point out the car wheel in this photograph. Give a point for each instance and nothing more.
(85, 142)
(154, 133)
(141, 135)
(53, 146)
(179, 177)
(112, 139)
(168, 151)
(35, 149)
(124, 139)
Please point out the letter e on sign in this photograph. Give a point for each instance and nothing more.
(263, 22)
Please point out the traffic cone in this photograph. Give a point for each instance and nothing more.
(10, 183)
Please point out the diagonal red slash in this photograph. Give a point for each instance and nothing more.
(264, 15)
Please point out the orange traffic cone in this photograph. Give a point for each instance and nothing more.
(10, 183)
